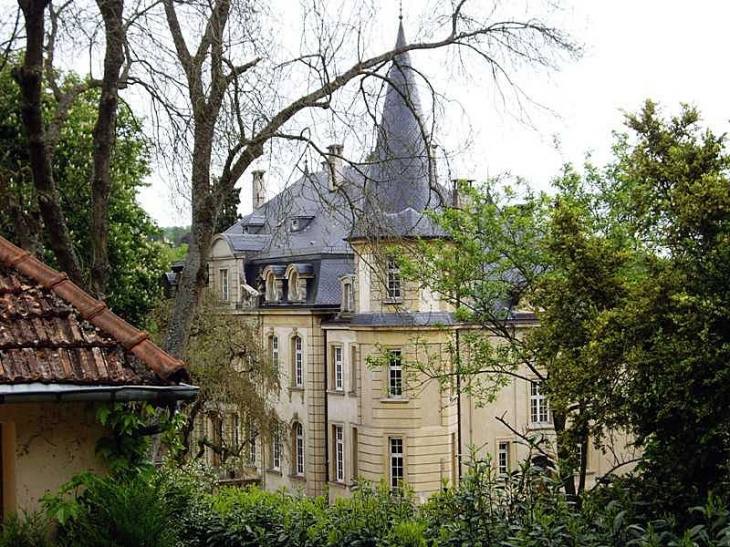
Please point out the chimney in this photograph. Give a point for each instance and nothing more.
(433, 171)
(458, 200)
(334, 166)
(259, 192)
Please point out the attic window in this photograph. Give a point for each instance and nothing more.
(295, 225)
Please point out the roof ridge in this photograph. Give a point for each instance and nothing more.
(92, 310)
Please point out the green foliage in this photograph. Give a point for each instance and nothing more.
(116, 511)
(28, 530)
(626, 270)
(137, 262)
(525, 508)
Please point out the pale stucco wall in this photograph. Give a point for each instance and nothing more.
(44, 445)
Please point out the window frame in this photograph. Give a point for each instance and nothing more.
(394, 282)
(276, 452)
(503, 457)
(338, 368)
(225, 288)
(338, 447)
(274, 351)
(539, 405)
(297, 361)
(299, 449)
(395, 373)
(396, 461)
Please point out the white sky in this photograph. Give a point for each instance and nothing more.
(669, 50)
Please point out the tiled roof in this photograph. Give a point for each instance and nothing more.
(51, 331)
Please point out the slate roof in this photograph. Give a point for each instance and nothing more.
(384, 197)
(51, 331)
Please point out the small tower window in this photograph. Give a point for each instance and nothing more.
(348, 304)
(393, 279)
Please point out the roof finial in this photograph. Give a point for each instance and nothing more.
(400, 10)
(306, 166)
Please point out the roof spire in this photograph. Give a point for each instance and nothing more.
(400, 11)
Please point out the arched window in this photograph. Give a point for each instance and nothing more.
(270, 287)
(298, 446)
(294, 295)
(298, 362)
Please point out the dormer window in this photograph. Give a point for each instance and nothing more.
(273, 283)
(299, 222)
(393, 280)
(297, 275)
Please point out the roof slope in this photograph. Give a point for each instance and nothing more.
(51, 331)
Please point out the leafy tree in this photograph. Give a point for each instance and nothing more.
(137, 262)
(670, 192)
(626, 271)
(229, 211)
(227, 362)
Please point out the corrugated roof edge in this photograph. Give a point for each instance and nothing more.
(92, 310)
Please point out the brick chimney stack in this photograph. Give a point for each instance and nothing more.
(259, 191)
(334, 165)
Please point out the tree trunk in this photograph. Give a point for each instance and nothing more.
(104, 137)
(564, 452)
(194, 276)
(29, 77)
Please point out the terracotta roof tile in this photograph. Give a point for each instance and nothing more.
(52, 331)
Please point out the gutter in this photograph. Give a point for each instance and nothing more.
(37, 392)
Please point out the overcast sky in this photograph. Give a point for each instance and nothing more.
(669, 50)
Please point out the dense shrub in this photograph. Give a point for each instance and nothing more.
(526, 508)
(28, 530)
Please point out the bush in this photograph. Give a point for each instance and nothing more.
(30, 530)
(114, 512)
(525, 508)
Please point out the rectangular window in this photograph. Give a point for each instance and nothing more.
(252, 450)
(353, 368)
(275, 353)
(503, 458)
(251, 441)
(396, 461)
(339, 448)
(299, 449)
(235, 427)
(298, 362)
(395, 374)
(276, 453)
(347, 298)
(394, 281)
(353, 440)
(539, 406)
(225, 296)
(338, 369)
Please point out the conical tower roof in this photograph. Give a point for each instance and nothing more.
(399, 176)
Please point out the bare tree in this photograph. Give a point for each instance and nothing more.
(43, 134)
(222, 93)
(212, 77)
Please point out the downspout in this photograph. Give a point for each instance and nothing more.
(458, 398)
(326, 414)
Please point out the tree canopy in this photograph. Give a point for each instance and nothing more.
(136, 261)
(626, 271)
